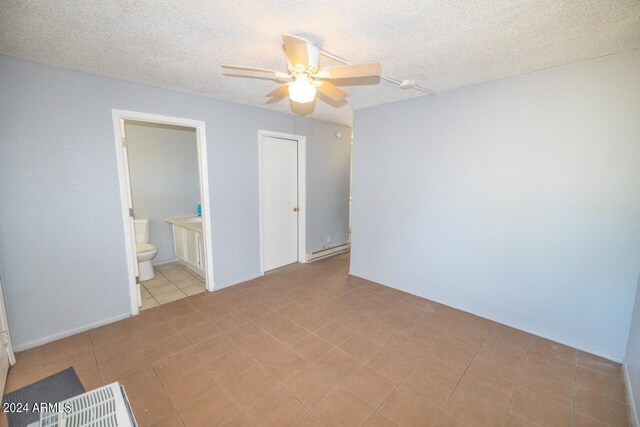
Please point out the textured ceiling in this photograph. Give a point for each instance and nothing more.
(441, 44)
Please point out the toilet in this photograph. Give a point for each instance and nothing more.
(146, 251)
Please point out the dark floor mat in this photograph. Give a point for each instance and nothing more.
(53, 389)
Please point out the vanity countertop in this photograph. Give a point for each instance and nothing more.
(191, 222)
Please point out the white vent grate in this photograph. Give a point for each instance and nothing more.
(106, 406)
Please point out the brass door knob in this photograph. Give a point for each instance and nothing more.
(296, 209)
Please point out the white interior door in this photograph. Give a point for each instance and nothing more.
(130, 200)
(279, 177)
(6, 350)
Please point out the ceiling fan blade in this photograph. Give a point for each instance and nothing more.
(295, 48)
(350, 71)
(332, 91)
(254, 70)
(279, 92)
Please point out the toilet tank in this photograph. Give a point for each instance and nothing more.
(142, 230)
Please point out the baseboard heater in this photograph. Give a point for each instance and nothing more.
(327, 252)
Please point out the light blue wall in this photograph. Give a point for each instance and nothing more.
(163, 168)
(632, 360)
(62, 256)
(517, 199)
(328, 168)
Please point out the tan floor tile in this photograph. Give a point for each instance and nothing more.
(164, 289)
(271, 321)
(148, 303)
(312, 321)
(116, 348)
(110, 333)
(244, 333)
(198, 360)
(307, 420)
(172, 420)
(429, 386)
(66, 347)
(252, 384)
(283, 364)
(334, 333)
(189, 387)
(289, 333)
(278, 408)
(392, 364)
(311, 347)
(154, 406)
(474, 409)
(548, 385)
(378, 420)
(370, 386)
(310, 385)
(214, 408)
(610, 386)
(254, 311)
(176, 274)
(29, 358)
(599, 364)
(341, 408)
(79, 361)
(116, 367)
(23, 377)
(601, 408)
(193, 290)
(540, 409)
(170, 297)
(229, 366)
(200, 332)
(185, 283)
(360, 347)
(176, 309)
(213, 348)
(176, 365)
(403, 408)
(338, 364)
(188, 321)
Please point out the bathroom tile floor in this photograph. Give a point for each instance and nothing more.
(172, 282)
(309, 345)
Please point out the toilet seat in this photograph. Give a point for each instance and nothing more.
(145, 247)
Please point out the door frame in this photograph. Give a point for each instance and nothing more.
(302, 191)
(119, 116)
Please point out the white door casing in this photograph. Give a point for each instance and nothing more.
(138, 292)
(7, 357)
(282, 201)
(118, 129)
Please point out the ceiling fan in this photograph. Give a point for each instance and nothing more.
(305, 75)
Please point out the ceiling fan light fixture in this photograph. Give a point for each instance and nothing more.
(301, 90)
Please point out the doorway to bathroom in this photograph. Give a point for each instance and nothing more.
(163, 176)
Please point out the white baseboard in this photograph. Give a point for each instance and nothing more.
(68, 333)
(324, 253)
(616, 359)
(633, 410)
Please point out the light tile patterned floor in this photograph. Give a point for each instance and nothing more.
(172, 282)
(308, 345)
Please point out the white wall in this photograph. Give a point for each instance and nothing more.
(517, 199)
(62, 257)
(163, 167)
(632, 361)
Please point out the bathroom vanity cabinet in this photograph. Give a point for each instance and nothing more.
(188, 242)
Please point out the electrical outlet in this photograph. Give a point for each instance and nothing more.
(328, 238)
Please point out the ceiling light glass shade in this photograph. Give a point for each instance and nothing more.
(301, 90)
